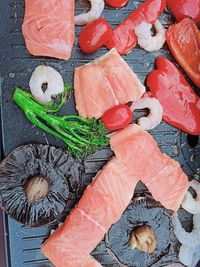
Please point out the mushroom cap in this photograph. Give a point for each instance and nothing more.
(145, 211)
(62, 171)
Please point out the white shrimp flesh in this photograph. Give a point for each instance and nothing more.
(97, 7)
(46, 83)
(189, 256)
(155, 112)
(190, 204)
(189, 239)
(146, 40)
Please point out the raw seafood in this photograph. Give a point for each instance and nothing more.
(189, 253)
(146, 40)
(192, 205)
(35, 183)
(48, 28)
(97, 7)
(124, 39)
(143, 212)
(114, 83)
(162, 175)
(48, 77)
(101, 205)
(155, 115)
(82, 136)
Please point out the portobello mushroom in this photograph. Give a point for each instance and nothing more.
(142, 236)
(36, 183)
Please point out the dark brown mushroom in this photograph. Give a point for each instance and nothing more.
(36, 182)
(142, 236)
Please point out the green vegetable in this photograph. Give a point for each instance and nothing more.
(82, 136)
(56, 104)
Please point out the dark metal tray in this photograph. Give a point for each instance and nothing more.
(20, 245)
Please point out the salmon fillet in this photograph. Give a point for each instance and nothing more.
(101, 205)
(48, 27)
(163, 176)
(106, 82)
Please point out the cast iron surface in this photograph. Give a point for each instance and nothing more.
(22, 244)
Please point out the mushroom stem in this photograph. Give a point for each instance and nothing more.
(36, 188)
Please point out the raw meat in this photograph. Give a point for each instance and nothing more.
(163, 176)
(106, 82)
(101, 205)
(48, 27)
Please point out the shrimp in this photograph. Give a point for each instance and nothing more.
(189, 256)
(191, 239)
(146, 40)
(155, 114)
(45, 82)
(97, 7)
(190, 204)
(175, 265)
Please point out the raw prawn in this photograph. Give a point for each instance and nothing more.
(175, 265)
(189, 256)
(146, 40)
(155, 115)
(97, 7)
(190, 204)
(191, 239)
(45, 82)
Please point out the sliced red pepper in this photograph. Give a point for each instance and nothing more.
(116, 3)
(185, 9)
(181, 106)
(124, 38)
(183, 40)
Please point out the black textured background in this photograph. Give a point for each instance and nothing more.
(16, 65)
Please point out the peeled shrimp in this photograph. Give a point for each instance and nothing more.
(190, 204)
(45, 82)
(191, 239)
(146, 40)
(155, 115)
(97, 7)
(189, 256)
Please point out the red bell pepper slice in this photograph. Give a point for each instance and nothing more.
(181, 106)
(124, 38)
(183, 40)
(185, 9)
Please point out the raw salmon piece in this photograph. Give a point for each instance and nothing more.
(163, 176)
(106, 82)
(101, 205)
(48, 27)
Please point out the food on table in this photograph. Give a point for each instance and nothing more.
(183, 40)
(163, 176)
(117, 117)
(82, 136)
(49, 31)
(189, 253)
(94, 35)
(46, 83)
(124, 38)
(146, 40)
(116, 3)
(35, 183)
(97, 7)
(154, 117)
(181, 106)
(185, 8)
(104, 83)
(101, 205)
(140, 216)
(191, 204)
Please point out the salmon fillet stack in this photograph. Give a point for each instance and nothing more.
(137, 157)
(48, 27)
(104, 83)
